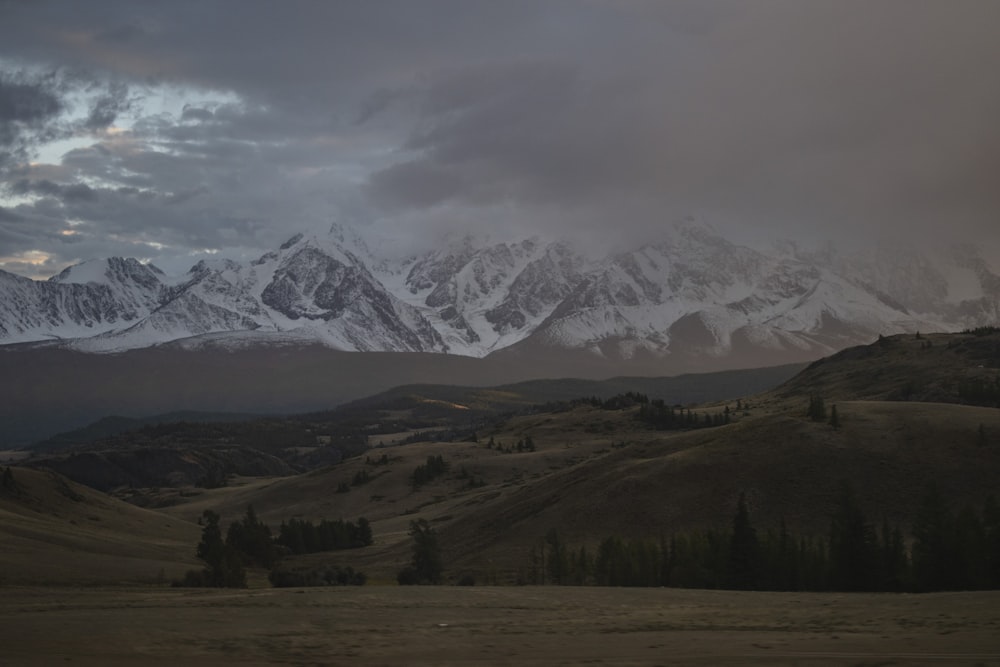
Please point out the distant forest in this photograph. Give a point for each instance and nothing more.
(948, 551)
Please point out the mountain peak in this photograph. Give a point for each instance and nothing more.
(102, 271)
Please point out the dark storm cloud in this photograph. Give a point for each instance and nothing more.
(532, 131)
(26, 101)
(822, 118)
(109, 106)
(27, 105)
(77, 191)
(767, 116)
(33, 105)
(8, 216)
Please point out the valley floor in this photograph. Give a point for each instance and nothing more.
(390, 625)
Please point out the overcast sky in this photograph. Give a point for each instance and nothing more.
(168, 129)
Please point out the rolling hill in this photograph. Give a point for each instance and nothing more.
(596, 469)
(55, 531)
(600, 472)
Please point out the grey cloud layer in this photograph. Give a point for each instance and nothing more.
(824, 119)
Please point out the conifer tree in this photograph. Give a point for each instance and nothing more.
(224, 563)
(558, 558)
(853, 546)
(932, 544)
(817, 409)
(991, 526)
(425, 565)
(252, 538)
(743, 553)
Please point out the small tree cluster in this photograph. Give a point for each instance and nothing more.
(251, 537)
(526, 444)
(669, 417)
(304, 537)
(817, 409)
(223, 562)
(380, 461)
(433, 468)
(249, 542)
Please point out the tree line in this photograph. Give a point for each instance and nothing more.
(980, 391)
(656, 412)
(669, 417)
(948, 551)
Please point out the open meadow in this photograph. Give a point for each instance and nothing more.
(446, 625)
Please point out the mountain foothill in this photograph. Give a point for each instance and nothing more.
(869, 454)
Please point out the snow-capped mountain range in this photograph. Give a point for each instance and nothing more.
(693, 294)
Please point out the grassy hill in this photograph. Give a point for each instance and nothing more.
(117, 452)
(55, 531)
(597, 473)
(602, 472)
(948, 368)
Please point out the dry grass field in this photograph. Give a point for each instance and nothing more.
(53, 531)
(388, 625)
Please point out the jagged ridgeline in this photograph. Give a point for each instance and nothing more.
(693, 293)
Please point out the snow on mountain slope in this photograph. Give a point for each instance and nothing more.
(313, 287)
(333, 293)
(84, 300)
(696, 291)
(485, 297)
(692, 294)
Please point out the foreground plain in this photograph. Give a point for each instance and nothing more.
(389, 625)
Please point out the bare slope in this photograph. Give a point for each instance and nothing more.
(55, 531)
